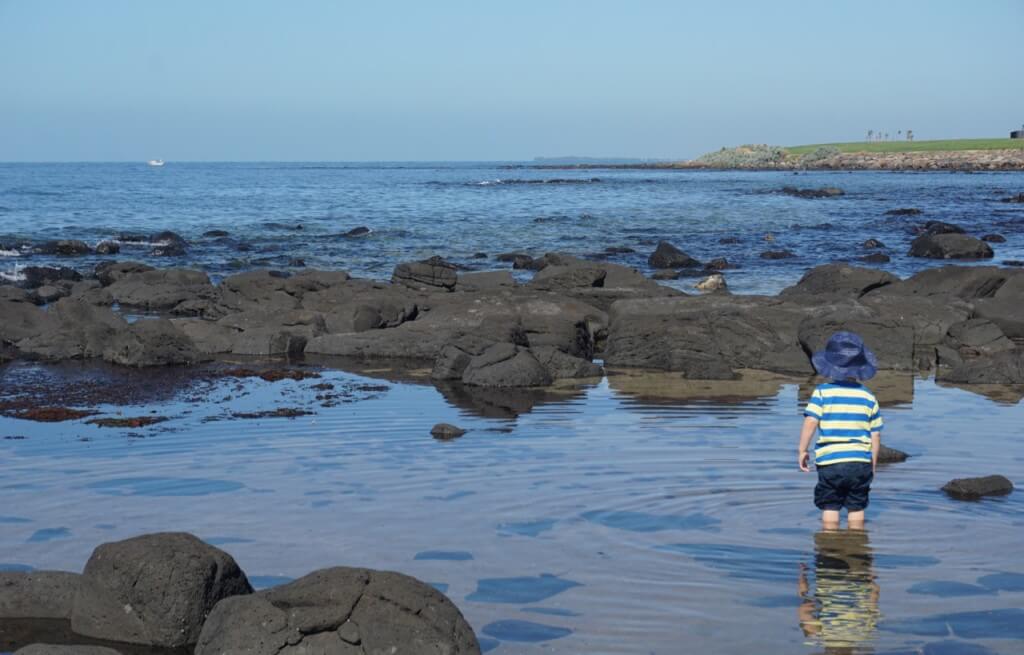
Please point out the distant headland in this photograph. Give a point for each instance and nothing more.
(949, 154)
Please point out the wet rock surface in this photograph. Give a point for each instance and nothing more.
(446, 431)
(972, 488)
(163, 593)
(339, 611)
(950, 246)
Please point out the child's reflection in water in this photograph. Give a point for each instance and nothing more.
(841, 612)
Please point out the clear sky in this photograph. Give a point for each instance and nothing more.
(479, 80)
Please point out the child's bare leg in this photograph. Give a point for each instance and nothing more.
(856, 519)
(830, 519)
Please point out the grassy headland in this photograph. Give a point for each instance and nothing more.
(943, 145)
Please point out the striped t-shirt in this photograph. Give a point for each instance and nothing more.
(847, 413)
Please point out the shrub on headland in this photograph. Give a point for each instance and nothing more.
(819, 154)
(749, 156)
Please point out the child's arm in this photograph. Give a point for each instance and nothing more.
(806, 433)
(876, 444)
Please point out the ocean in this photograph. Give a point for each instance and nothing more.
(639, 514)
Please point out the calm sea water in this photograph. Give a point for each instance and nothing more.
(279, 212)
(644, 514)
(638, 515)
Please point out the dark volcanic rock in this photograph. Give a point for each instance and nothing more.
(37, 594)
(216, 234)
(486, 281)
(907, 211)
(949, 246)
(994, 238)
(108, 248)
(888, 455)
(668, 256)
(823, 192)
(706, 336)
(966, 282)
(168, 244)
(666, 274)
(563, 278)
(1005, 307)
(37, 276)
(430, 273)
(357, 232)
(73, 330)
(839, 279)
(777, 254)
(968, 488)
(65, 247)
(156, 589)
(1006, 367)
(1019, 198)
(976, 337)
(57, 649)
(109, 272)
(160, 289)
(890, 337)
(560, 365)
(873, 243)
(151, 342)
(718, 264)
(941, 227)
(876, 258)
(446, 431)
(506, 365)
(340, 611)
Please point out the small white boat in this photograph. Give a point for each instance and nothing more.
(155, 162)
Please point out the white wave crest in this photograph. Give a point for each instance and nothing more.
(13, 275)
(9, 253)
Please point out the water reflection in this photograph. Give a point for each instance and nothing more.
(841, 612)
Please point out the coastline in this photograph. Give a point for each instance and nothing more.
(948, 160)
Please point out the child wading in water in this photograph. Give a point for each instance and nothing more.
(847, 416)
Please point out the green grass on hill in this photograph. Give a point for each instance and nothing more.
(913, 146)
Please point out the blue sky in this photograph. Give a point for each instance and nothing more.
(334, 80)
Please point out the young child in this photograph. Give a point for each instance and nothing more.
(846, 415)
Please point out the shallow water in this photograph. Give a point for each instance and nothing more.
(641, 514)
(278, 212)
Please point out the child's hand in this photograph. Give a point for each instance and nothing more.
(802, 461)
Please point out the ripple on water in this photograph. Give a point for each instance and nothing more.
(986, 624)
(157, 486)
(948, 589)
(527, 589)
(49, 534)
(644, 522)
(524, 631)
(444, 555)
(526, 528)
(1003, 581)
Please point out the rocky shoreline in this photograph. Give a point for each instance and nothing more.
(487, 330)
(773, 158)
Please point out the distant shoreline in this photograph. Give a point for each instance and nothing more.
(950, 155)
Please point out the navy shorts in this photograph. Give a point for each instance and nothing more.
(843, 485)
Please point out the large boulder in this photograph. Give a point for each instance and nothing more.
(506, 365)
(258, 290)
(1005, 367)
(160, 289)
(37, 594)
(1006, 306)
(667, 255)
(109, 272)
(340, 611)
(563, 278)
(839, 280)
(20, 319)
(707, 337)
(156, 589)
(950, 246)
(38, 276)
(78, 331)
(976, 337)
(434, 273)
(152, 342)
(890, 339)
(965, 282)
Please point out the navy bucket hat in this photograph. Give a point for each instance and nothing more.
(845, 356)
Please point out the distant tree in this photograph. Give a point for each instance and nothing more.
(871, 134)
(910, 135)
(898, 133)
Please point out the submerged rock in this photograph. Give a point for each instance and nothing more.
(446, 431)
(873, 243)
(906, 211)
(156, 589)
(949, 246)
(994, 238)
(65, 247)
(357, 232)
(108, 248)
(969, 488)
(823, 192)
(777, 254)
(888, 455)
